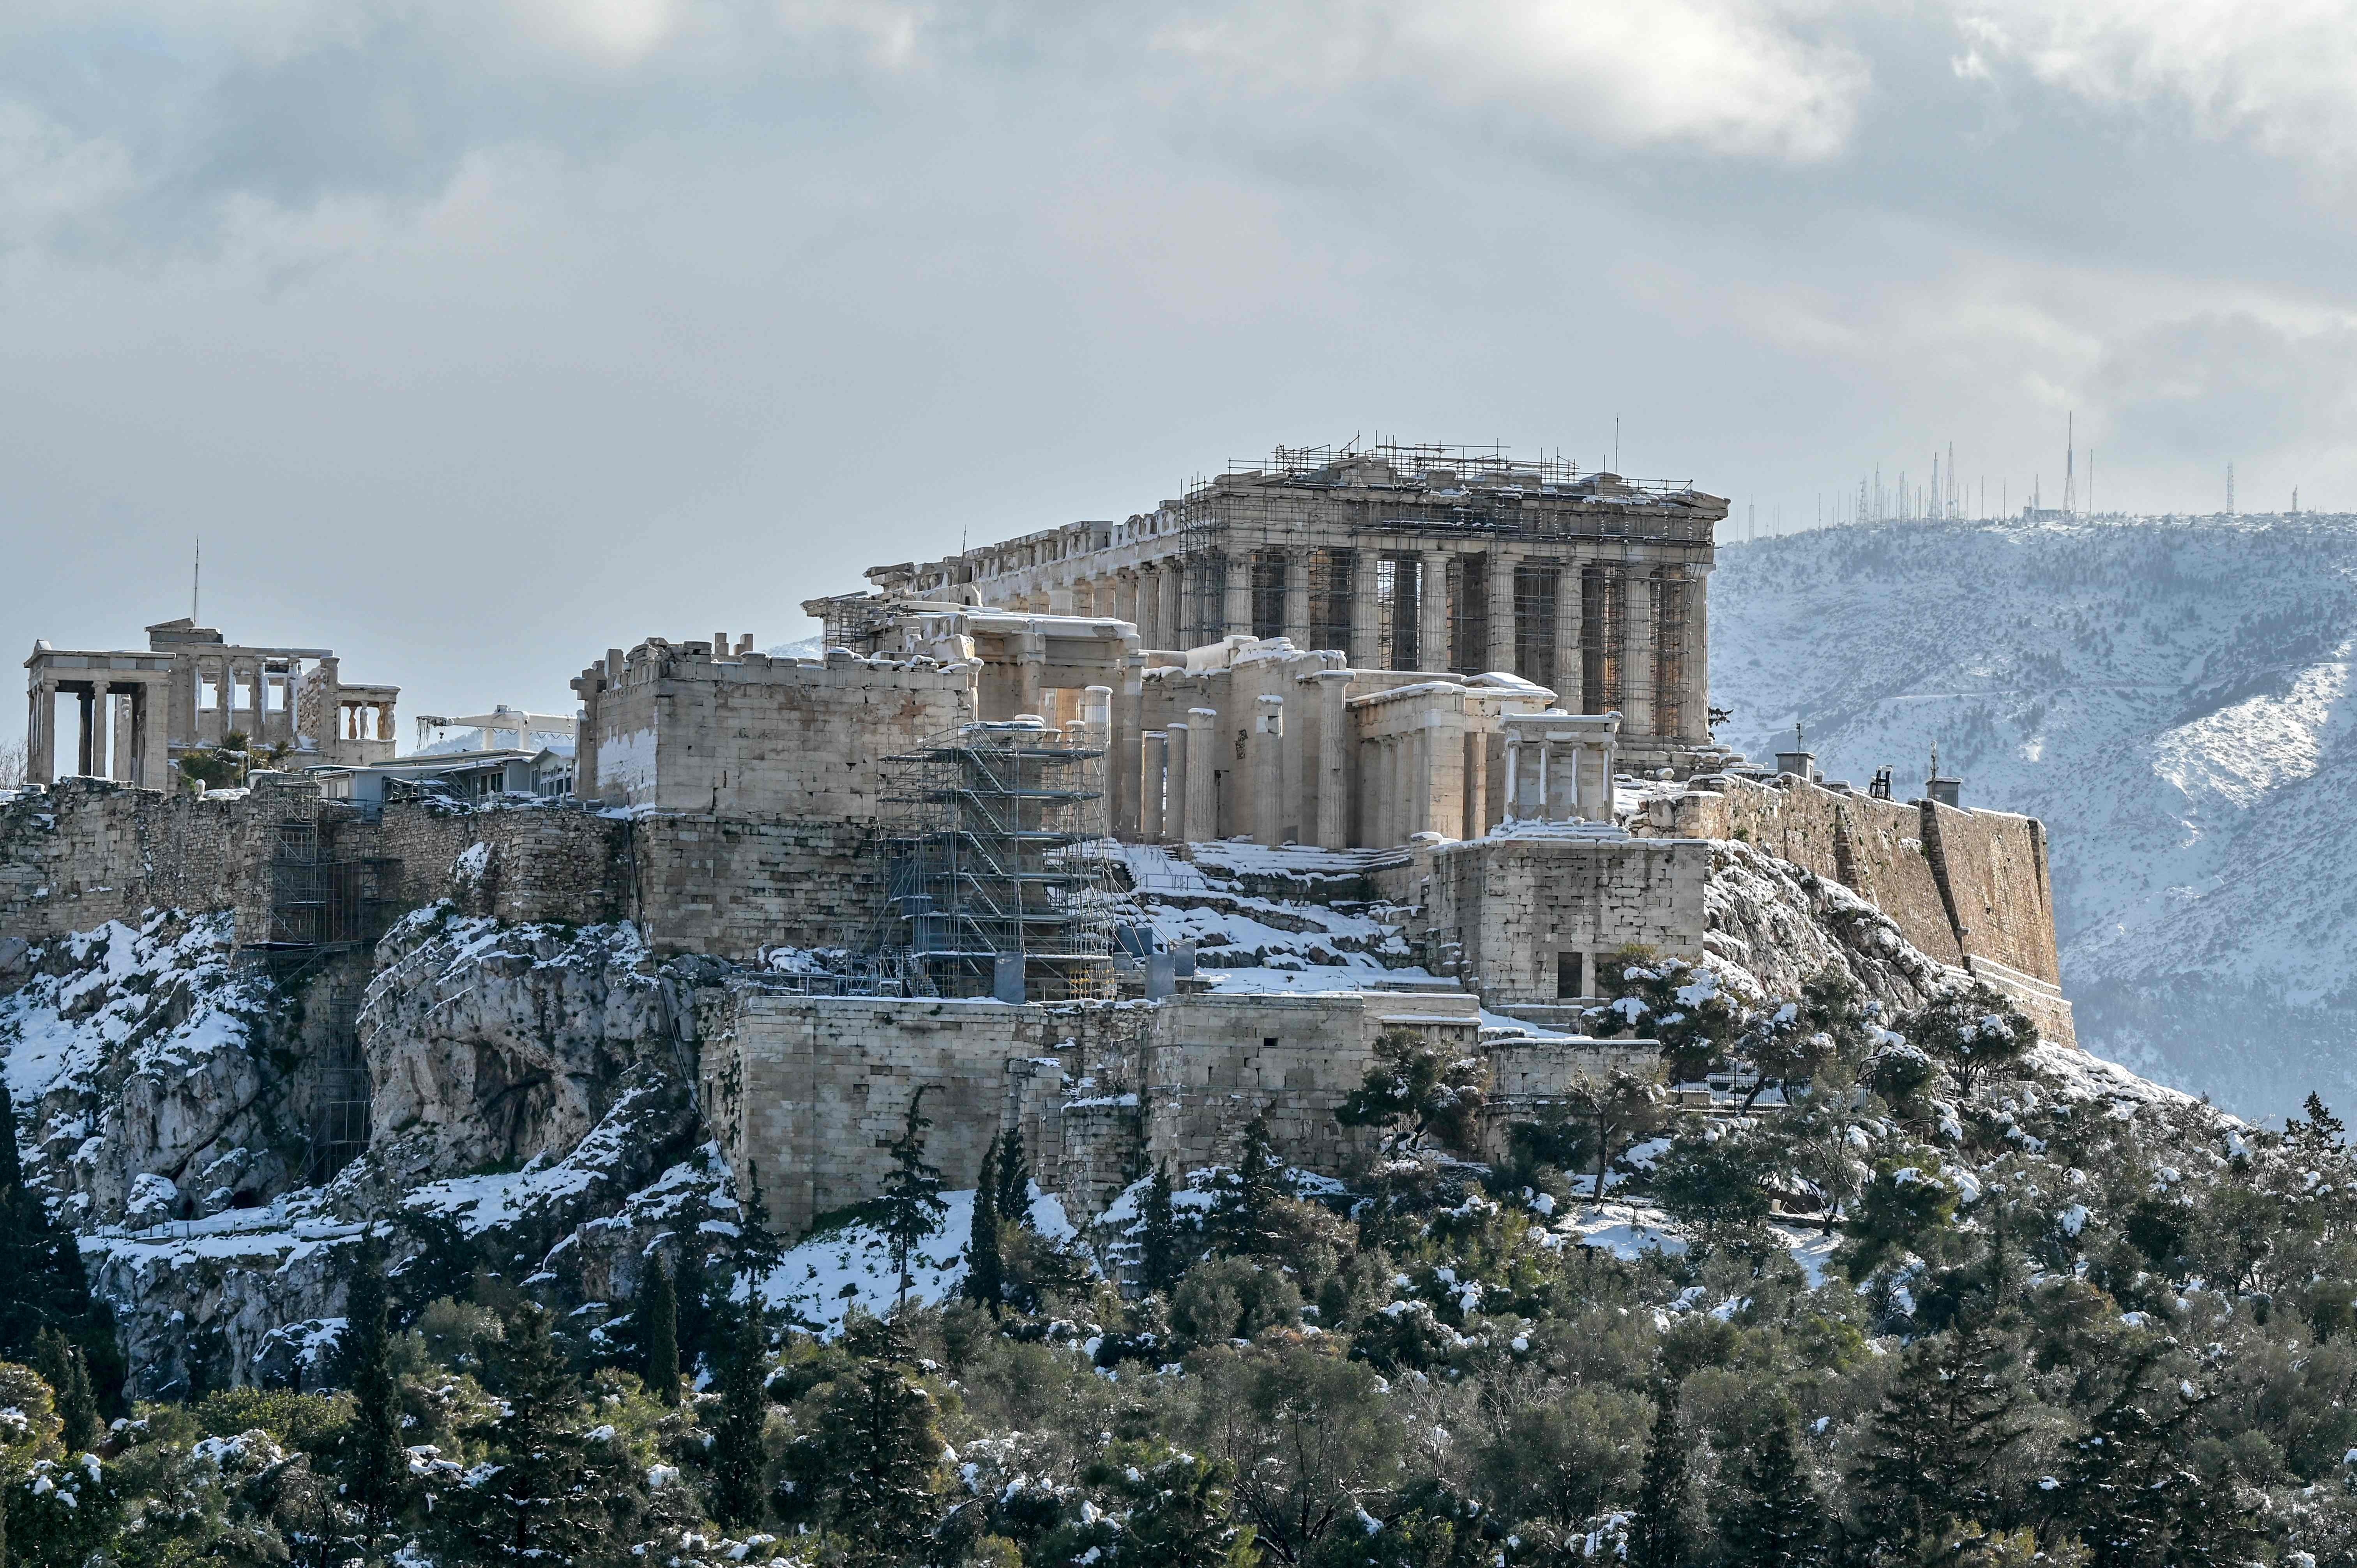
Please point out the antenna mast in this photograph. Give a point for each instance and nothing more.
(196, 579)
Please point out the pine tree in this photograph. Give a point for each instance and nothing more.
(372, 1466)
(45, 1286)
(1658, 1536)
(912, 1200)
(986, 1275)
(882, 1450)
(1932, 1454)
(550, 1489)
(1246, 1218)
(758, 1247)
(738, 1456)
(659, 1333)
(1775, 1520)
(1161, 1259)
(2128, 1492)
(1014, 1182)
(62, 1367)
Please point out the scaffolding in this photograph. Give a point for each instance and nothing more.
(997, 882)
(320, 902)
(339, 1114)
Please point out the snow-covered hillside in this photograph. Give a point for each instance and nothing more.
(2172, 696)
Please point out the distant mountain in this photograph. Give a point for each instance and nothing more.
(2172, 696)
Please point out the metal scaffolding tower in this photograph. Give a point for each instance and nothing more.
(997, 882)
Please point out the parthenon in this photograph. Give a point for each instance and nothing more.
(1441, 559)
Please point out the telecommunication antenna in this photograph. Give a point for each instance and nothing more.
(196, 580)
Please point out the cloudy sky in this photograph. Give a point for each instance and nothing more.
(476, 336)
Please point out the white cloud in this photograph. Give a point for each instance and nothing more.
(1739, 77)
(2283, 73)
(49, 177)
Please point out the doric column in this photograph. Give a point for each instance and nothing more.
(1154, 772)
(1477, 783)
(1639, 628)
(1030, 655)
(1432, 611)
(1366, 627)
(1236, 612)
(1128, 700)
(1570, 605)
(1203, 750)
(1297, 597)
(255, 679)
(1179, 781)
(1174, 606)
(1695, 705)
(1501, 610)
(1333, 760)
(1268, 770)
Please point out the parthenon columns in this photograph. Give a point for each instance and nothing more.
(1637, 630)
(1432, 611)
(1501, 610)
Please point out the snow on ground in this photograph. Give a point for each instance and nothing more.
(819, 1279)
(58, 1031)
(1632, 1229)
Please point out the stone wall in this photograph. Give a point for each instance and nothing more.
(812, 1091)
(90, 850)
(1960, 884)
(729, 886)
(1514, 916)
(674, 727)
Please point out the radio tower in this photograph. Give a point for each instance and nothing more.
(2069, 464)
(2230, 490)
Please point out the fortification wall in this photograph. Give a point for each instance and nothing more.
(812, 1090)
(1527, 919)
(90, 850)
(1960, 884)
(730, 886)
(756, 736)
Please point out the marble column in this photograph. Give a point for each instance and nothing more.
(1202, 801)
(1432, 651)
(1236, 612)
(1268, 770)
(1503, 610)
(1154, 768)
(1297, 597)
(1366, 626)
(1127, 719)
(41, 732)
(1333, 759)
(1174, 606)
(1695, 713)
(1638, 627)
(1570, 603)
(101, 713)
(1179, 743)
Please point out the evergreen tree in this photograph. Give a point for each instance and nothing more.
(2128, 1492)
(2316, 1130)
(738, 1456)
(868, 1470)
(1774, 1519)
(1971, 1030)
(758, 1247)
(659, 1333)
(1931, 1458)
(1161, 1255)
(373, 1465)
(911, 1201)
(1246, 1218)
(986, 1279)
(1658, 1534)
(45, 1284)
(62, 1367)
(1014, 1194)
(549, 1491)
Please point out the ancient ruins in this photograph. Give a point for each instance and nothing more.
(1460, 698)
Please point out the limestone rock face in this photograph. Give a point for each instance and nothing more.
(138, 1062)
(487, 1045)
(1772, 925)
